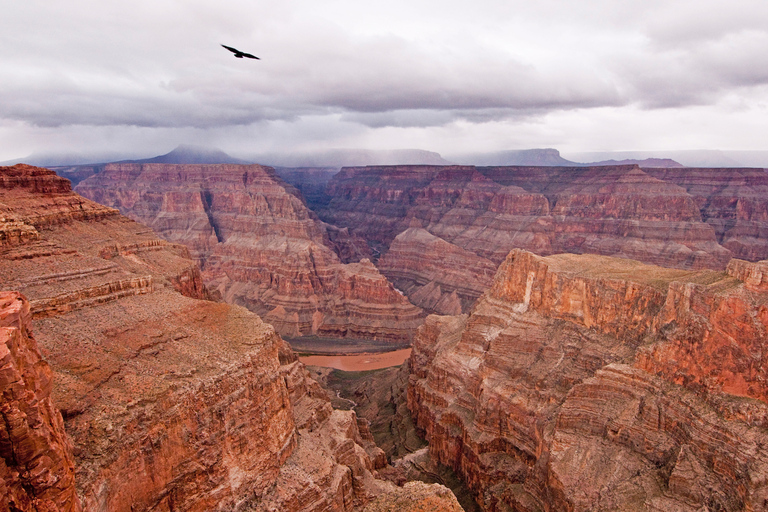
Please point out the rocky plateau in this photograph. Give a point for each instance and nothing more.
(589, 383)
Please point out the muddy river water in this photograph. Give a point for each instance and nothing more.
(359, 362)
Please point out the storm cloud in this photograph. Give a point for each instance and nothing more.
(396, 70)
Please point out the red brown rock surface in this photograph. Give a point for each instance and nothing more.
(610, 210)
(171, 402)
(37, 470)
(733, 201)
(416, 497)
(677, 217)
(436, 275)
(559, 392)
(260, 247)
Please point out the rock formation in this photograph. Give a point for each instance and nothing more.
(583, 382)
(436, 275)
(733, 201)
(37, 471)
(674, 217)
(416, 497)
(171, 402)
(260, 247)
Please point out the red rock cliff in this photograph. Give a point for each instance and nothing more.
(609, 210)
(558, 393)
(37, 470)
(260, 247)
(171, 402)
(733, 201)
(618, 210)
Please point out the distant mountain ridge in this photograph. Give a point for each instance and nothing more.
(547, 157)
(187, 154)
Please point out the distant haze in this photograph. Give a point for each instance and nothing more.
(129, 80)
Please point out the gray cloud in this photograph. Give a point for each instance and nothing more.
(410, 65)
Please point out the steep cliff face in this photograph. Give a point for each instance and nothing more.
(171, 402)
(37, 470)
(558, 391)
(260, 247)
(609, 210)
(733, 201)
(666, 217)
(436, 275)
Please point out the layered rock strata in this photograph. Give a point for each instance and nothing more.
(171, 402)
(583, 382)
(609, 210)
(733, 201)
(37, 469)
(436, 275)
(260, 247)
(676, 217)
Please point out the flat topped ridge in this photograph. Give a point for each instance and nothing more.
(38, 179)
(594, 266)
(160, 166)
(200, 171)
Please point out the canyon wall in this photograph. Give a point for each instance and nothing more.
(171, 402)
(682, 218)
(584, 382)
(37, 469)
(733, 201)
(260, 247)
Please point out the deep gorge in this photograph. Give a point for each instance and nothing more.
(602, 347)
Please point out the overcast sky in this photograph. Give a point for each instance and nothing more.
(143, 76)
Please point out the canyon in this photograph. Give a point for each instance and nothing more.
(140, 392)
(601, 344)
(259, 246)
(585, 382)
(674, 217)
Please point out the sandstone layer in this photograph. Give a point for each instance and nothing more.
(261, 247)
(583, 382)
(733, 201)
(416, 497)
(37, 470)
(436, 275)
(171, 402)
(676, 217)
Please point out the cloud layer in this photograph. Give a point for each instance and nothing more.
(380, 73)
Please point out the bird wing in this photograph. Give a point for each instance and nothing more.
(249, 56)
(233, 50)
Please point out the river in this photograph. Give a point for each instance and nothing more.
(359, 362)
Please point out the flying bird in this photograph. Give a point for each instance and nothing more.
(240, 54)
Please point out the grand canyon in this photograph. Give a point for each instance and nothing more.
(585, 338)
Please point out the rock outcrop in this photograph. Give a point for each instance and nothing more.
(416, 497)
(37, 471)
(673, 217)
(171, 402)
(733, 201)
(260, 247)
(436, 275)
(584, 382)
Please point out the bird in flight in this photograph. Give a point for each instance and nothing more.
(240, 54)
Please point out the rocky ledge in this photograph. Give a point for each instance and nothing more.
(584, 382)
(37, 468)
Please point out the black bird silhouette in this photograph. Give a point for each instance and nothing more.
(240, 54)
